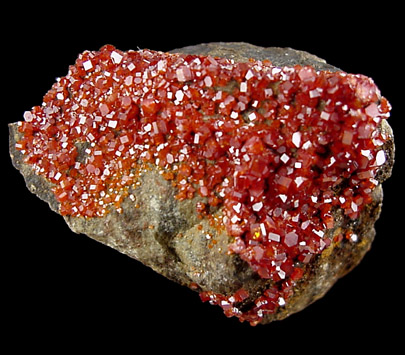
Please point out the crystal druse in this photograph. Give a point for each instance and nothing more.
(274, 163)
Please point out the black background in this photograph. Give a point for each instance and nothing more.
(60, 288)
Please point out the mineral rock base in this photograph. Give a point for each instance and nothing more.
(252, 175)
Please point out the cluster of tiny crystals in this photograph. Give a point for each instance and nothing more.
(274, 149)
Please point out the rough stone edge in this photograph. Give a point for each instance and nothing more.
(242, 52)
(36, 184)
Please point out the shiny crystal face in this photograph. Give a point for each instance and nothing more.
(275, 150)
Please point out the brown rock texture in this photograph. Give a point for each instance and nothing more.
(165, 234)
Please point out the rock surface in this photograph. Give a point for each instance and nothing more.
(165, 233)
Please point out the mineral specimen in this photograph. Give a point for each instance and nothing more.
(255, 182)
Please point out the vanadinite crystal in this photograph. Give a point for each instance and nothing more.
(273, 153)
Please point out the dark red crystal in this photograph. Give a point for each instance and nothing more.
(270, 145)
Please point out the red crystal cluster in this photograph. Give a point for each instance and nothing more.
(277, 148)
